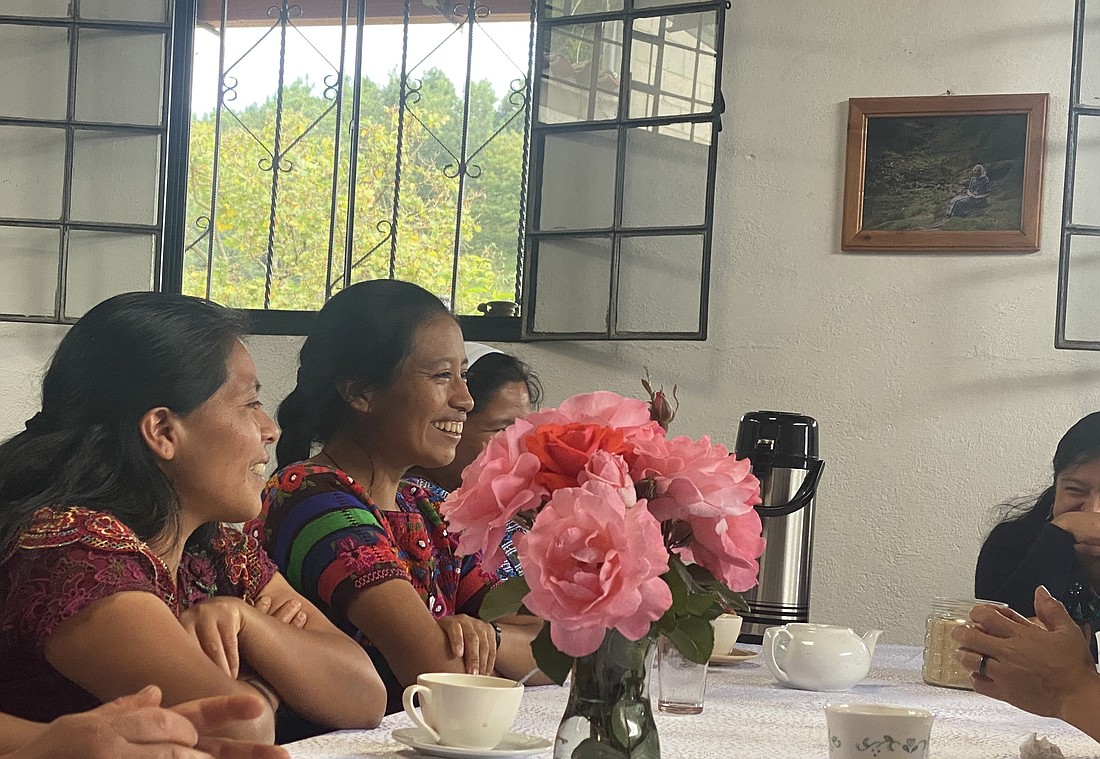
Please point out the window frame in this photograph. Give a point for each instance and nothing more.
(1071, 230)
(483, 328)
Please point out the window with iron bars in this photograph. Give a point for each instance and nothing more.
(302, 146)
(1078, 326)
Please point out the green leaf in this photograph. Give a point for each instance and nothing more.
(590, 748)
(553, 663)
(679, 590)
(694, 638)
(504, 599)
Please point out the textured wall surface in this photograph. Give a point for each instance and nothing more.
(933, 377)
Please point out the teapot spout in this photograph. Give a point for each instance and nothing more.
(870, 638)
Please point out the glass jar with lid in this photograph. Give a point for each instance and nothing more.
(940, 667)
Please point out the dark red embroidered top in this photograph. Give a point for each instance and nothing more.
(65, 560)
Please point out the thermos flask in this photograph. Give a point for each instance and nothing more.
(782, 447)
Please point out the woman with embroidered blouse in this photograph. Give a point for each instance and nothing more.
(381, 387)
(116, 571)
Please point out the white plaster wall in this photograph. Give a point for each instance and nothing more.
(933, 377)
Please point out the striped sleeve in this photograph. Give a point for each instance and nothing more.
(321, 534)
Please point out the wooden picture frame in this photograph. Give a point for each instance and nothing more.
(944, 173)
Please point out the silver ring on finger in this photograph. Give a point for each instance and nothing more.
(981, 665)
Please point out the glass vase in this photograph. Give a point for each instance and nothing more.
(608, 715)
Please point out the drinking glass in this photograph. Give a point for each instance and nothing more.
(681, 683)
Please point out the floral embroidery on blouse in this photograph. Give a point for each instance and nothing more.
(68, 558)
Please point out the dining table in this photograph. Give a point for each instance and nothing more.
(748, 715)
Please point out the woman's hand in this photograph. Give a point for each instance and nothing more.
(134, 727)
(474, 640)
(289, 611)
(216, 623)
(1042, 669)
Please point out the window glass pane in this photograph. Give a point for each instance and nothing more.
(35, 62)
(559, 8)
(41, 8)
(677, 167)
(1090, 56)
(1086, 179)
(115, 177)
(119, 77)
(33, 160)
(580, 79)
(1082, 284)
(572, 281)
(660, 283)
(123, 10)
(29, 260)
(672, 65)
(578, 180)
(102, 264)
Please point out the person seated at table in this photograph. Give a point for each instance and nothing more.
(504, 389)
(116, 572)
(381, 387)
(1045, 668)
(1054, 540)
(136, 727)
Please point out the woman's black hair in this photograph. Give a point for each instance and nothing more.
(1080, 445)
(127, 355)
(493, 371)
(361, 335)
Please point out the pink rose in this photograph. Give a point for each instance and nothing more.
(593, 564)
(695, 479)
(728, 547)
(612, 470)
(496, 486)
(603, 408)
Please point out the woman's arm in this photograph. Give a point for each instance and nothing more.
(1046, 670)
(318, 670)
(393, 617)
(15, 733)
(135, 726)
(514, 657)
(121, 643)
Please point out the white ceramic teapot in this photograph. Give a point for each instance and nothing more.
(818, 657)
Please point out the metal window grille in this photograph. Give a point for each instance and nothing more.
(84, 146)
(368, 233)
(1078, 326)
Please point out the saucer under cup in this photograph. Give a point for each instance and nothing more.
(463, 711)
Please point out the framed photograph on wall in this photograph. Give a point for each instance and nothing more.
(945, 173)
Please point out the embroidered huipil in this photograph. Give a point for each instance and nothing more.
(68, 558)
(323, 530)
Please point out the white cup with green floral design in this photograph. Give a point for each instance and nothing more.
(876, 731)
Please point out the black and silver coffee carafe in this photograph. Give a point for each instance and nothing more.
(783, 450)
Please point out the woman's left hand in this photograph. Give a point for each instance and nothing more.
(216, 624)
(473, 640)
(1036, 668)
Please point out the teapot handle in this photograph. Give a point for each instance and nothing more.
(800, 499)
(769, 654)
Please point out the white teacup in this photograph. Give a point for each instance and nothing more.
(463, 711)
(726, 629)
(857, 731)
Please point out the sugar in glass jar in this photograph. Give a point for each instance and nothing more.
(940, 667)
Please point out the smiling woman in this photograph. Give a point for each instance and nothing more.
(115, 571)
(382, 388)
(1055, 539)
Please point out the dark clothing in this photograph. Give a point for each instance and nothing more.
(1019, 556)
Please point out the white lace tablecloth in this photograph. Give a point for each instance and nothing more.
(748, 716)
